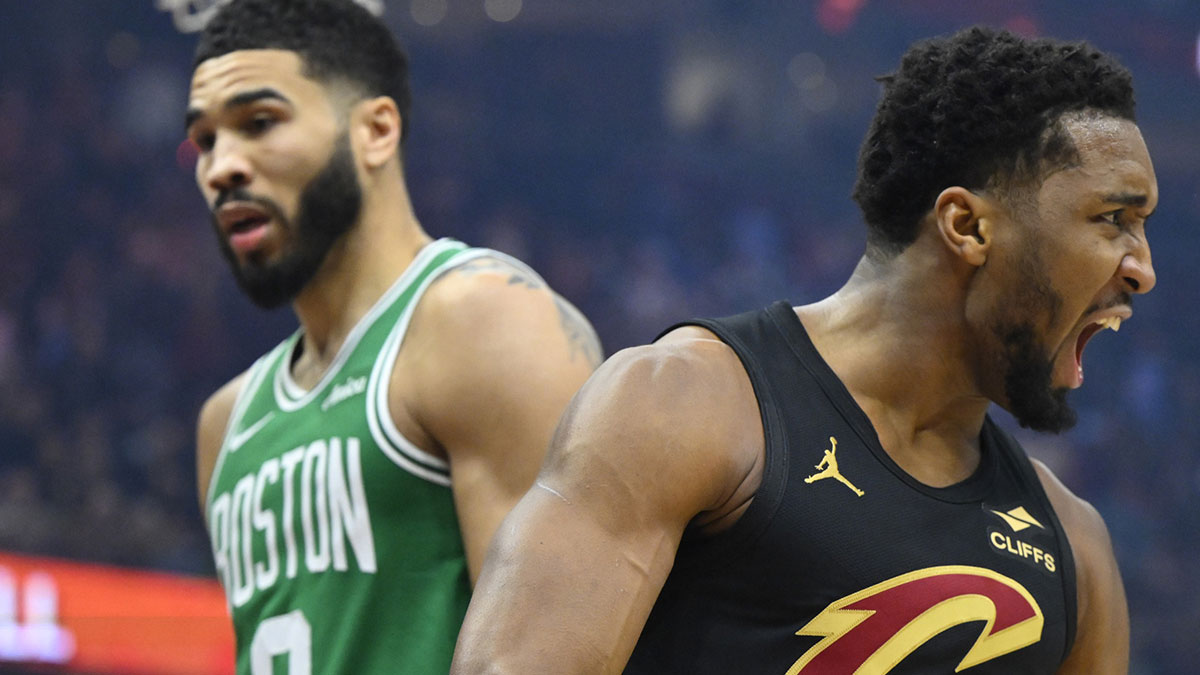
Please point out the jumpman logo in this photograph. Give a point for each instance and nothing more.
(828, 468)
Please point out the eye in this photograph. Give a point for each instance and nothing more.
(1113, 217)
(204, 140)
(260, 123)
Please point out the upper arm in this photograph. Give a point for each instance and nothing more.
(493, 356)
(1102, 633)
(660, 435)
(210, 433)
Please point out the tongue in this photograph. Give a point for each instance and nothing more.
(1070, 370)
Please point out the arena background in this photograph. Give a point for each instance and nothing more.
(654, 159)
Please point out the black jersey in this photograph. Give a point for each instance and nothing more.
(843, 563)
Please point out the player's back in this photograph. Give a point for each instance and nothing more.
(335, 537)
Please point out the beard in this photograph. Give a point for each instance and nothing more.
(1028, 367)
(328, 208)
(1032, 399)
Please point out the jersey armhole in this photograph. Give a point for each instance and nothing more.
(394, 445)
(1070, 591)
(254, 379)
(722, 548)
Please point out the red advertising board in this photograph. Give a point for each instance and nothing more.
(97, 619)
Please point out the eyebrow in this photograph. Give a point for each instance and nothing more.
(244, 98)
(1126, 199)
(1134, 199)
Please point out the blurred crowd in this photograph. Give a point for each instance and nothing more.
(684, 165)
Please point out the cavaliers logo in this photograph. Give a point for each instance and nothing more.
(874, 629)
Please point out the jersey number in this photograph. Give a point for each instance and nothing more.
(287, 634)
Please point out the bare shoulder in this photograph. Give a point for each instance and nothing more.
(490, 291)
(689, 372)
(490, 332)
(210, 431)
(1102, 637)
(677, 418)
(1083, 523)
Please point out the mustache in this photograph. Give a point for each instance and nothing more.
(1123, 299)
(238, 194)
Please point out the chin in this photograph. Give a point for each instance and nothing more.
(1046, 411)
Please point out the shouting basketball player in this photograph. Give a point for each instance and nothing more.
(677, 526)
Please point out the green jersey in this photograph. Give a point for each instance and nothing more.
(336, 538)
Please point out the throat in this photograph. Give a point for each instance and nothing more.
(934, 458)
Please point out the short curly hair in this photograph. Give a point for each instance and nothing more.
(980, 108)
(337, 40)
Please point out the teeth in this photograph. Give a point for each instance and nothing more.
(1113, 322)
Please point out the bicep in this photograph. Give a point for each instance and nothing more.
(1102, 636)
(562, 554)
(493, 463)
(576, 567)
(497, 368)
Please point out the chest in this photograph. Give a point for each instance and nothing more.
(855, 564)
(321, 486)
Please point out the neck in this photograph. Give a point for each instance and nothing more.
(895, 336)
(357, 271)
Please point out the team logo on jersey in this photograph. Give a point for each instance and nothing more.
(1006, 543)
(242, 437)
(828, 468)
(1018, 519)
(873, 630)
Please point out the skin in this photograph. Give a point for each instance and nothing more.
(485, 337)
(669, 434)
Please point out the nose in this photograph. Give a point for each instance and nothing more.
(228, 166)
(1136, 270)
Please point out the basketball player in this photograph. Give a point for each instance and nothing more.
(353, 476)
(678, 524)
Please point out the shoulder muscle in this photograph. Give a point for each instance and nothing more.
(675, 424)
(490, 334)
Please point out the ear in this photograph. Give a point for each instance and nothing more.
(964, 222)
(376, 130)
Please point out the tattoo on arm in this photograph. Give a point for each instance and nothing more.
(515, 276)
(580, 335)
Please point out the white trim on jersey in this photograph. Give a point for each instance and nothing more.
(394, 444)
(258, 370)
(290, 396)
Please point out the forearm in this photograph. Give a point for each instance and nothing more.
(558, 595)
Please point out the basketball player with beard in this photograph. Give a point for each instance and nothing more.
(352, 477)
(684, 520)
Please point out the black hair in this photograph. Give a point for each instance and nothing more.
(337, 41)
(980, 108)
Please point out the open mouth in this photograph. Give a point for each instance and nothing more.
(249, 223)
(246, 236)
(245, 224)
(1088, 332)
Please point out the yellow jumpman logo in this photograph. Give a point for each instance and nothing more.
(828, 469)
